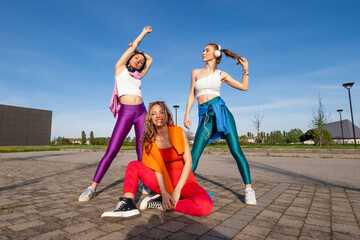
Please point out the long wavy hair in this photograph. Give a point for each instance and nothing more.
(150, 130)
(227, 53)
(135, 53)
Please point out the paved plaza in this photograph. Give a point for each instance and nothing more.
(298, 198)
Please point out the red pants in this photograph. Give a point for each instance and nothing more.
(196, 201)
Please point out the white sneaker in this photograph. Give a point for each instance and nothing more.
(88, 194)
(154, 202)
(250, 198)
(125, 209)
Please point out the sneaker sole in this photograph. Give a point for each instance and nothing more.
(119, 218)
(84, 199)
(143, 204)
(251, 203)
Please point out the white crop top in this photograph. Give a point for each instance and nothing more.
(208, 85)
(127, 85)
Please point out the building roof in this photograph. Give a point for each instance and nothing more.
(334, 129)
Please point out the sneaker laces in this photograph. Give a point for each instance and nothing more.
(120, 205)
(156, 204)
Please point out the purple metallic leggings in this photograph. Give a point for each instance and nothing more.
(128, 115)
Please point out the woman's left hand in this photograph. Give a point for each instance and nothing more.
(176, 197)
(168, 202)
(244, 63)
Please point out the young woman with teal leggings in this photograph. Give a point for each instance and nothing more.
(215, 119)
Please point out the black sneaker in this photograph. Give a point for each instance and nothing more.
(154, 202)
(124, 209)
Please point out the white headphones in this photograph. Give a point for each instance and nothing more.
(217, 53)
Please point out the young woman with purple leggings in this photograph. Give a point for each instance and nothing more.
(126, 105)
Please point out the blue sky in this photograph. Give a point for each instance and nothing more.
(60, 56)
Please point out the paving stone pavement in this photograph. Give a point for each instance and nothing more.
(38, 200)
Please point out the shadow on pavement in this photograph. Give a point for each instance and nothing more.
(111, 185)
(299, 176)
(39, 179)
(236, 194)
(35, 157)
(160, 227)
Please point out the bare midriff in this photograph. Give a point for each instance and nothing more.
(206, 97)
(131, 100)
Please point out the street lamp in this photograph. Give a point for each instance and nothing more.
(348, 86)
(176, 108)
(342, 132)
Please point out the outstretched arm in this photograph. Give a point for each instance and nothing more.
(129, 52)
(244, 84)
(190, 101)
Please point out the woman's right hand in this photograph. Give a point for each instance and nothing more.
(168, 202)
(187, 122)
(147, 29)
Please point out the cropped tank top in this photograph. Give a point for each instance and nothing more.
(208, 85)
(127, 85)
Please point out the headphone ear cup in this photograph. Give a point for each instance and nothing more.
(130, 69)
(217, 53)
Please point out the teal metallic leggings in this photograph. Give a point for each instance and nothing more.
(203, 135)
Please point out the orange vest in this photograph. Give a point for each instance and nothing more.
(154, 160)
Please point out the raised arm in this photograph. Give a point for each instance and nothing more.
(244, 84)
(185, 172)
(132, 47)
(149, 61)
(190, 101)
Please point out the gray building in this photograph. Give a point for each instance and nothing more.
(334, 129)
(21, 126)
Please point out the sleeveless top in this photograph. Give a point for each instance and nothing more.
(127, 85)
(208, 85)
(171, 158)
(174, 161)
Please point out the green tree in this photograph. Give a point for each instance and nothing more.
(262, 135)
(243, 139)
(326, 137)
(275, 137)
(257, 120)
(133, 142)
(101, 141)
(83, 138)
(92, 139)
(319, 119)
(62, 141)
(127, 141)
(308, 135)
(293, 136)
